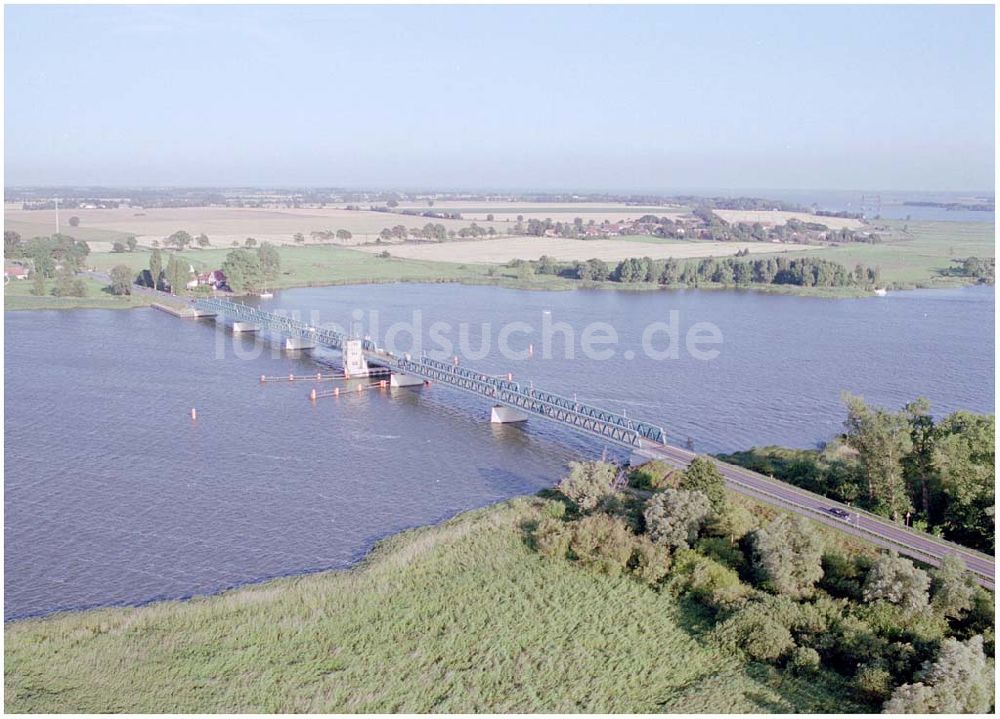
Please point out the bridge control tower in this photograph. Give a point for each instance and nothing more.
(355, 364)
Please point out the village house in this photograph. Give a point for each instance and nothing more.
(14, 271)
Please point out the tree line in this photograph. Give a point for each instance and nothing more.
(58, 257)
(731, 271)
(771, 588)
(937, 475)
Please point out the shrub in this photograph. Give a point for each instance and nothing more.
(874, 682)
(842, 577)
(649, 563)
(733, 522)
(722, 551)
(804, 660)
(952, 587)
(706, 580)
(895, 579)
(654, 475)
(786, 556)
(756, 631)
(552, 538)
(674, 517)
(588, 483)
(602, 543)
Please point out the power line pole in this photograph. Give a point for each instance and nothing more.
(57, 215)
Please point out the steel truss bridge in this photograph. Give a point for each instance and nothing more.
(611, 426)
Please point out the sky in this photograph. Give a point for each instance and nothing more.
(615, 98)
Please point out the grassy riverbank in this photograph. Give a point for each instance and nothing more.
(459, 617)
(17, 296)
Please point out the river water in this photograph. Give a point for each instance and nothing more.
(114, 495)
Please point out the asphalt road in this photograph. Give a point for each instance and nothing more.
(882, 532)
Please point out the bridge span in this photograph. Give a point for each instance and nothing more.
(646, 440)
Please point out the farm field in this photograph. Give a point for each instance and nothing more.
(459, 617)
(777, 217)
(222, 225)
(562, 249)
(225, 225)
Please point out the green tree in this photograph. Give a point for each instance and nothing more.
(344, 235)
(180, 238)
(68, 285)
(270, 260)
(896, 580)
(675, 516)
(918, 465)
(960, 680)
(74, 221)
(12, 246)
(121, 280)
(250, 242)
(952, 587)
(131, 243)
(964, 460)
(37, 283)
(202, 240)
(787, 556)
(299, 238)
(178, 274)
(882, 440)
(117, 247)
(703, 475)
(243, 271)
(155, 267)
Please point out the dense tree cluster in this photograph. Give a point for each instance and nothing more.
(775, 590)
(731, 271)
(982, 269)
(941, 474)
(47, 255)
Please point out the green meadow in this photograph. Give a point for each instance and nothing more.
(458, 617)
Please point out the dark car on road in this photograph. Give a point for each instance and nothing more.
(840, 513)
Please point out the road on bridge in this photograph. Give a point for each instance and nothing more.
(876, 530)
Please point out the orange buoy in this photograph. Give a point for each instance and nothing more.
(531, 350)
(291, 378)
(263, 379)
(336, 391)
(194, 413)
(319, 376)
(312, 395)
(510, 376)
(381, 383)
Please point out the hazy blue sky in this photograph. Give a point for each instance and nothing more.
(582, 97)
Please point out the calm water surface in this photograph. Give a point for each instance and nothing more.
(114, 495)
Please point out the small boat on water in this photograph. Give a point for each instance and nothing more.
(265, 295)
(880, 292)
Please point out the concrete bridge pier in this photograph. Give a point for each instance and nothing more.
(240, 327)
(404, 380)
(502, 414)
(298, 343)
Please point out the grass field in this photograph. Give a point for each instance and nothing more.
(563, 250)
(460, 617)
(918, 256)
(17, 296)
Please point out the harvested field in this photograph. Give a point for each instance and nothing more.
(531, 248)
(223, 225)
(776, 217)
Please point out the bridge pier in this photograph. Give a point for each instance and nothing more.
(502, 414)
(404, 380)
(240, 327)
(298, 343)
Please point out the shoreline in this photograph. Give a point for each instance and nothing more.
(137, 302)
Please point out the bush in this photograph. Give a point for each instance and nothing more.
(842, 577)
(588, 483)
(702, 475)
(722, 551)
(804, 660)
(706, 580)
(959, 681)
(602, 543)
(756, 631)
(874, 682)
(654, 475)
(733, 522)
(649, 563)
(552, 538)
